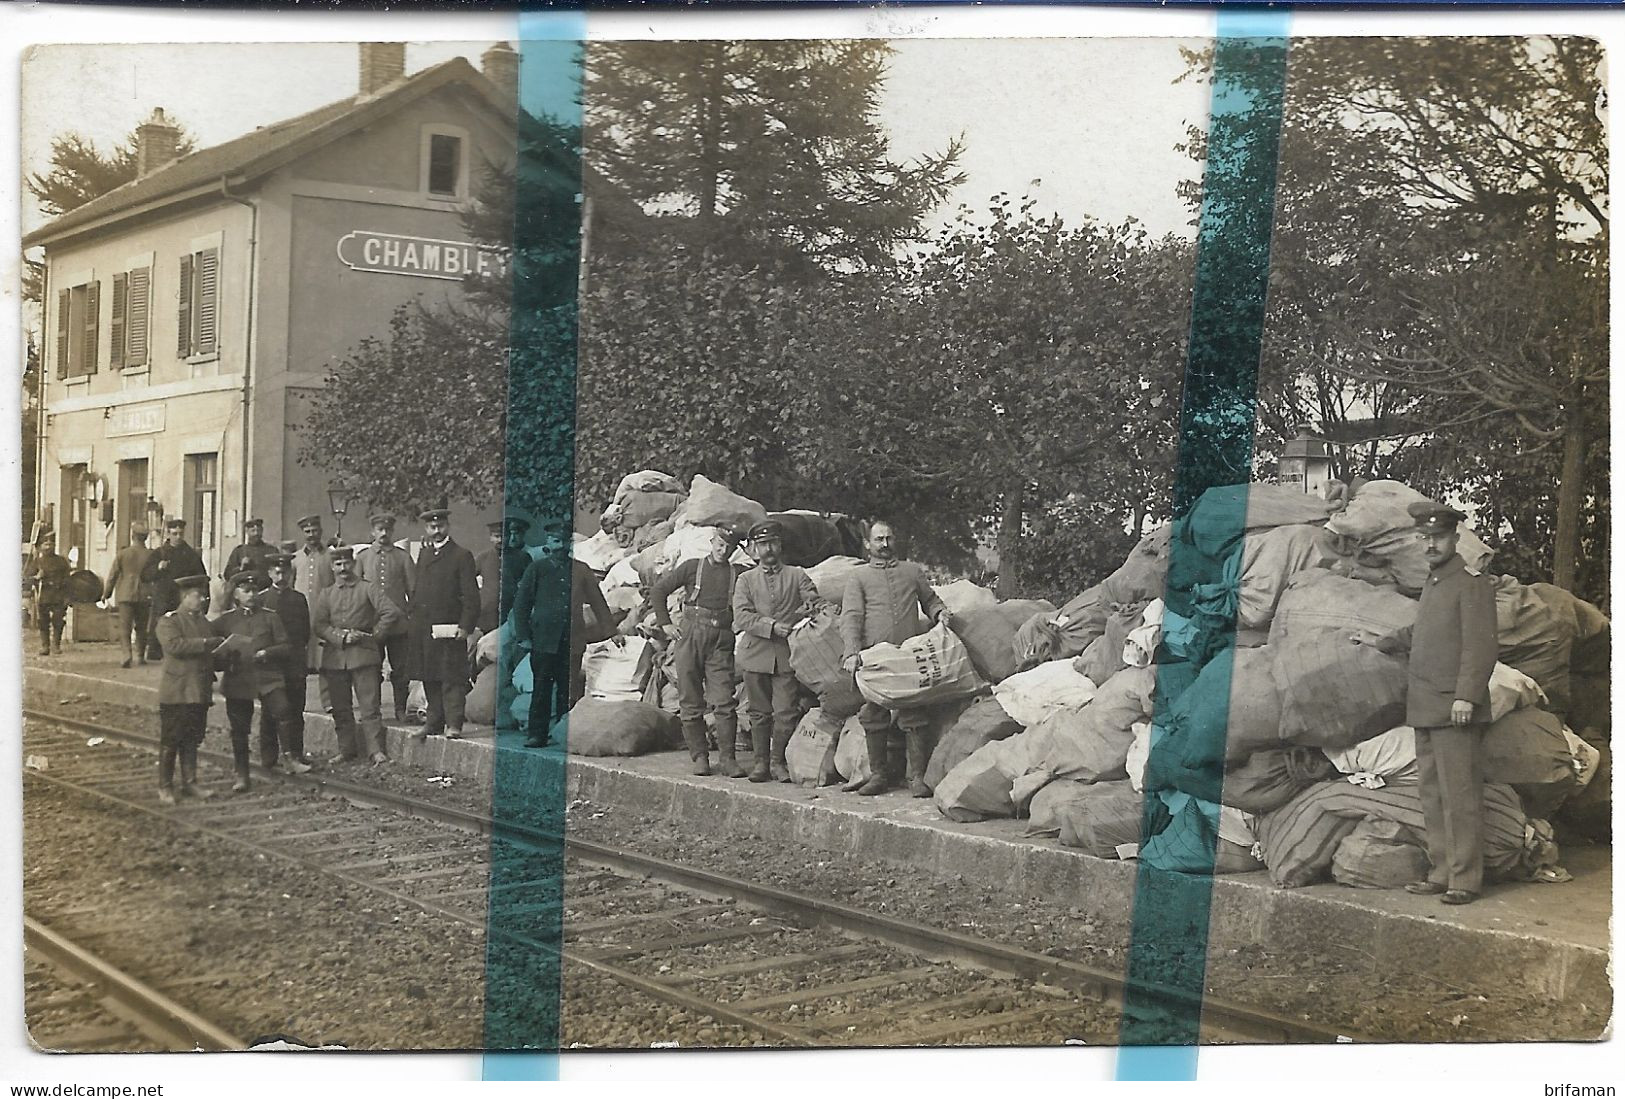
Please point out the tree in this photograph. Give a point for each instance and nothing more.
(760, 144)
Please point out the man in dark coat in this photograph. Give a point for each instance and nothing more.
(445, 611)
(255, 651)
(550, 618)
(768, 601)
(292, 610)
(172, 559)
(254, 555)
(1452, 648)
(48, 571)
(186, 687)
(129, 594)
(501, 568)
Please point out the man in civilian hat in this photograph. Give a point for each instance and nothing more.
(313, 572)
(391, 574)
(705, 648)
(48, 571)
(186, 687)
(768, 601)
(348, 618)
(1452, 648)
(888, 599)
(445, 610)
(557, 595)
(172, 559)
(293, 611)
(129, 595)
(254, 554)
(255, 650)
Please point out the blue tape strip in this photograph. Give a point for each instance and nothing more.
(523, 983)
(1167, 963)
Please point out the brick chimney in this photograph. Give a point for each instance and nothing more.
(382, 63)
(156, 142)
(500, 64)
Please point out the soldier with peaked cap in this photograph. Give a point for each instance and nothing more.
(186, 687)
(255, 552)
(557, 595)
(768, 601)
(348, 618)
(129, 595)
(500, 569)
(172, 559)
(256, 650)
(1453, 647)
(391, 574)
(704, 657)
(445, 610)
(293, 611)
(48, 571)
(312, 573)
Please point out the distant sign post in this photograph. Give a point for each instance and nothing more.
(419, 257)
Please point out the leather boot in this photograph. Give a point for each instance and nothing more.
(727, 758)
(166, 774)
(777, 765)
(916, 761)
(694, 739)
(189, 786)
(761, 747)
(828, 774)
(239, 759)
(879, 780)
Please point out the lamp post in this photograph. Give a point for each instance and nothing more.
(1307, 463)
(338, 498)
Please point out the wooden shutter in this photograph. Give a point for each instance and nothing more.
(208, 300)
(135, 331)
(62, 311)
(93, 316)
(183, 337)
(117, 329)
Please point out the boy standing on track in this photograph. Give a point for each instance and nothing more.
(186, 688)
(257, 648)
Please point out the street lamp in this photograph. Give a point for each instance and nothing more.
(1306, 462)
(338, 498)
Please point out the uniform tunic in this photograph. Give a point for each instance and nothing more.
(255, 556)
(188, 639)
(884, 601)
(248, 678)
(762, 598)
(391, 573)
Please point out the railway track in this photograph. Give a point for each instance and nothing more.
(792, 970)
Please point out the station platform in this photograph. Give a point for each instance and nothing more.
(1546, 940)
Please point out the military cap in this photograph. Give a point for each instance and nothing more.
(280, 560)
(342, 553)
(175, 524)
(186, 583)
(1432, 518)
(254, 523)
(770, 529)
(381, 519)
(312, 520)
(495, 527)
(253, 578)
(439, 510)
(518, 522)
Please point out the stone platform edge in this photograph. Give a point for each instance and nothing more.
(1243, 914)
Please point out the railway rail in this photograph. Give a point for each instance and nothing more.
(795, 970)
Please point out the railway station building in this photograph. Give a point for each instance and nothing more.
(192, 314)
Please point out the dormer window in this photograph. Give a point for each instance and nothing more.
(445, 162)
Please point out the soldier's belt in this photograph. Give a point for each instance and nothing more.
(709, 618)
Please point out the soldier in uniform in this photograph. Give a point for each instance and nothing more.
(186, 687)
(886, 601)
(254, 555)
(391, 574)
(501, 568)
(257, 649)
(445, 609)
(291, 609)
(705, 648)
(129, 595)
(1452, 648)
(312, 572)
(172, 559)
(556, 595)
(48, 571)
(768, 600)
(349, 618)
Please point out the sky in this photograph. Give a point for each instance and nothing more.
(1095, 120)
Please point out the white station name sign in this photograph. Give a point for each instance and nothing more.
(421, 257)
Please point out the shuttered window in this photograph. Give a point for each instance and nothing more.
(132, 294)
(78, 312)
(115, 331)
(198, 333)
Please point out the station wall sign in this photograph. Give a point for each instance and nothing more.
(135, 419)
(419, 257)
